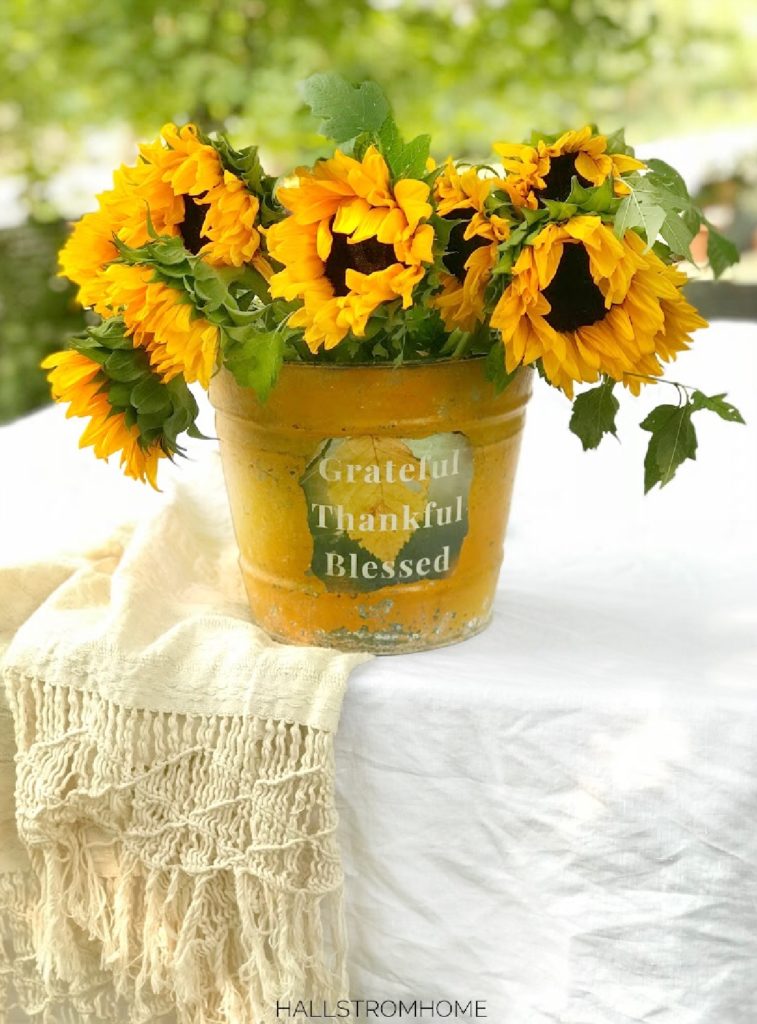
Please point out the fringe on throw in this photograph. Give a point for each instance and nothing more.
(197, 852)
(87, 999)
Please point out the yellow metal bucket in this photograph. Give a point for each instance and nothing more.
(370, 502)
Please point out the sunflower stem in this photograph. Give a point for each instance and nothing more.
(663, 380)
(462, 345)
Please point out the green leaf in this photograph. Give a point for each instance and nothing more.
(149, 395)
(594, 414)
(637, 211)
(150, 226)
(244, 317)
(721, 252)
(664, 251)
(177, 423)
(169, 251)
(194, 431)
(517, 236)
(248, 284)
(598, 199)
(411, 162)
(656, 207)
(616, 142)
(346, 109)
(558, 210)
(653, 188)
(716, 404)
(90, 349)
(255, 361)
(693, 218)
(119, 394)
(442, 230)
(495, 368)
(668, 177)
(122, 366)
(602, 199)
(112, 332)
(532, 217)
(153, 419)
(673, 441)
(405, 161)
(678, 234)
(659, 203)
(210, 289)
(504, 264)
(578, 194)
(167, 256)
(482, 339)
(181, 395)
(390, 143)
(149, 436)
(537, 137)
(455, 340)
(245, 163)
(360, 145)
(176, 275)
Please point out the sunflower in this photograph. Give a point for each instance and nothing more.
(544, 170)
(162, 321)
(179, 187)
(220, 212)
(138, 191)
(352, 241)
(87, 252)
(79, 381)
(586, 303)
(472, 247)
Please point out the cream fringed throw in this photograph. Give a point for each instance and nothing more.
(174, 790)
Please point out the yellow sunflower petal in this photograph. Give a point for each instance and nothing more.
(412, 198)
(324, 240)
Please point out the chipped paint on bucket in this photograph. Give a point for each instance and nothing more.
(370, 502)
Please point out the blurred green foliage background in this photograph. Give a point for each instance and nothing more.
(469, 71)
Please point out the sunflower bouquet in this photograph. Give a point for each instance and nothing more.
(561, 254)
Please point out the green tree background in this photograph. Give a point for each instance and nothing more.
(469, 71)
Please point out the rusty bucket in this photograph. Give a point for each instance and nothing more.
(370, 502)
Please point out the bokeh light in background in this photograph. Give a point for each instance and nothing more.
(81, 82)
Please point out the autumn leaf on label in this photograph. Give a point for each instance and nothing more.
(381, 494)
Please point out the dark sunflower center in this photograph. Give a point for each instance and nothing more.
(575, 299)
(191, 227)
(367, 257)
(557, 181)
(459, 247)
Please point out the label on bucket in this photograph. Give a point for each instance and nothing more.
(387, 510)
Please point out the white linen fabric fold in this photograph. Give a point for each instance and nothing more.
(174, 784)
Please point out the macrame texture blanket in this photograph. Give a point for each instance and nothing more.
(174, 849)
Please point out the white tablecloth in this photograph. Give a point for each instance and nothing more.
(556, 818)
